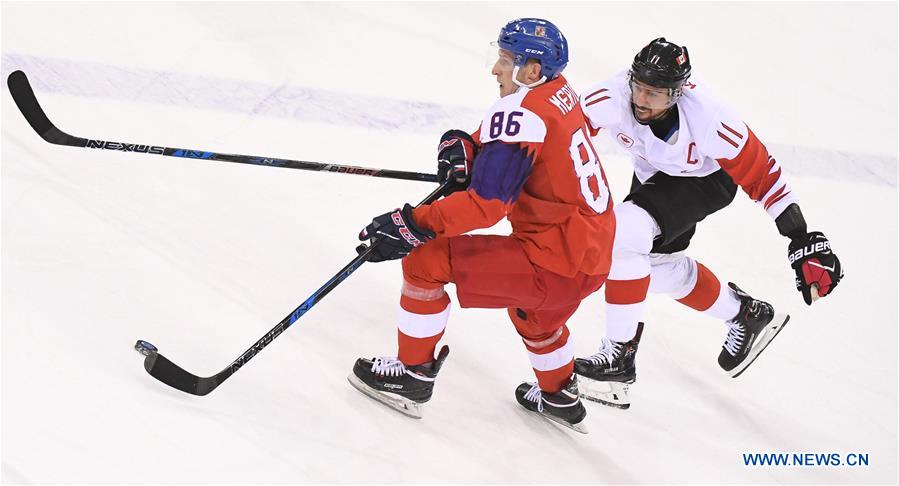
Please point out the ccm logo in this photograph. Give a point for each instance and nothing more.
(623, 139)
(533, 51)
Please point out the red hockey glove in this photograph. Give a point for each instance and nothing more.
(394, 235)
(818, 270)
(455, 155)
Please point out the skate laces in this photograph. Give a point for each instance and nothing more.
(735, 337)
(535, 395)
(606, 354)
(388, 366)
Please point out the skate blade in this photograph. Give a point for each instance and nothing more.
(403, 405)
(771, 331)
(610, 393)
(578, 427)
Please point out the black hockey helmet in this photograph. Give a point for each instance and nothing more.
(662, 64)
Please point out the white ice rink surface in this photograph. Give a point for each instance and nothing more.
(202, 258)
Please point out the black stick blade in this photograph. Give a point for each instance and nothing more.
(174, 376)
(21, 92)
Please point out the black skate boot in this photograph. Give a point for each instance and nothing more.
(396, 385)
(608, 374)
(564, 407)
(754, 327)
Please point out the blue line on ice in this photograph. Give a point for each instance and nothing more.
(105, 81)
(210, 93)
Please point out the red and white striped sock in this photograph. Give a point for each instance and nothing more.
(551, 357)
(629, 278)
(710, 297)
(421, 322)
(625, 300)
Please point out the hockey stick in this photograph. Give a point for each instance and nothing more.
(27, 102)
(174, 376)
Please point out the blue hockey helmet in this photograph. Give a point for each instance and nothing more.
(535, 39)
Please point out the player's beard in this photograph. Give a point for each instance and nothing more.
(645, 115)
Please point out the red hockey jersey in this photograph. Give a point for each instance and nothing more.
(537, 167)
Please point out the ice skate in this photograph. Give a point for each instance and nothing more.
(607, 375)
(751, 331)
(389, 381)
(564, 408)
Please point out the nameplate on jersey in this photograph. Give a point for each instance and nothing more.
(565, 99)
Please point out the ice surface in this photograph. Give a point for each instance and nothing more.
(202, 258)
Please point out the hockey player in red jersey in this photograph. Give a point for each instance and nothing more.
(690, 152)
(531, 161)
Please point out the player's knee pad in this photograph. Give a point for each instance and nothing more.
(634, 229)
(428, 266)
(673, 274)
(535, 337)
(634, 232)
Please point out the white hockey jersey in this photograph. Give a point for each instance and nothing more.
(710, 137)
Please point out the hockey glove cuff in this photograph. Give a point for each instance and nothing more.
(815, 265)
(394, 235)
(455, 156)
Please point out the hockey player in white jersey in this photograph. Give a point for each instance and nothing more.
(689, 152)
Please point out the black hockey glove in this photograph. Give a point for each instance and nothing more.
(455, 154)
(394, 235)
(815, 265)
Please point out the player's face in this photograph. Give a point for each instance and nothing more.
(502, 69)
(649, 102)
